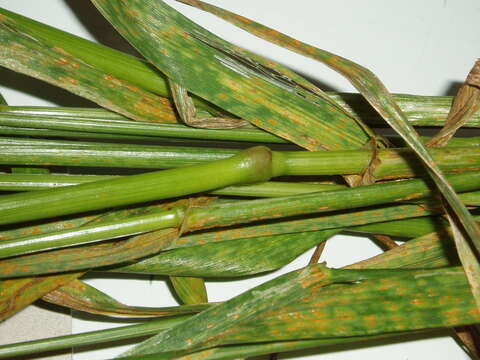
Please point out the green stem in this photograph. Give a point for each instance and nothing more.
(251, 165)
(394, 163)
(110, 155)
(363, 196)
(102, 121)
(419, 110)
(77, 135)
(31, 182)
(406, 228)
(16, 182)
(238, 212)
(85, 235)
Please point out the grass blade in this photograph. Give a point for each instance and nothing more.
(84, 258)
(80, 296)
(400, 305)
(23, 52)
(190, 290)
(248, 166)
(16, 294)
(223, 78)
(376, 94)
(230, 258)
(312, 302)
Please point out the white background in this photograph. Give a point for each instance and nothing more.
(420, 47)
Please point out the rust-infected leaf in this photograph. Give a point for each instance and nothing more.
(215, 70)
(465, 104)
(80, 296)
(190, 290)
(23, 52)
(230, 258)
(374, 92)
(15, 294)
(87, 257)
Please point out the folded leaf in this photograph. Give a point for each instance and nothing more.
(16, 294)
(216, 71)
(190, 290)
(230, 258)
(465, 104)
(80, 296)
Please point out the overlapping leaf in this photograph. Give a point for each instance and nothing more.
(15, 294)
(313, 309)
(190, 290)
(23, 52)
(231, 258)
(80, 296)
(377, 95)
(317, 315)
(212, 69)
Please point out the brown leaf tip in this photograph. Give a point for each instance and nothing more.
(473, 77)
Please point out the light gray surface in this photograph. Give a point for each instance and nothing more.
(36, 323)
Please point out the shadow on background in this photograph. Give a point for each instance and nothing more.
(41, 90)
(98, 27)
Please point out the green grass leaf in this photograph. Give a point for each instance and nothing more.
(23, 52)
(230, 258)
(80, 296)
(190, 290)
(375, 93)
(16, 294)
(212, 69)
(301, 305)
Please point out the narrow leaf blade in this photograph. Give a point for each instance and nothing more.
(24, 53)
(211, 68)
(190, 290)
(80, 296)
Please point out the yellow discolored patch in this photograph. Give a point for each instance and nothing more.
(61, 61)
